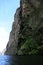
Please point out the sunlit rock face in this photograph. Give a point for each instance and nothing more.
(11, 48)
(26, 37)
(25, 6)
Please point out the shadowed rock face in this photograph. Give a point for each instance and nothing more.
(26, 36)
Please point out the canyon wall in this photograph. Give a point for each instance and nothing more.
(26, 36)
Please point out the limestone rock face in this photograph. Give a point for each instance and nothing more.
(26, 36)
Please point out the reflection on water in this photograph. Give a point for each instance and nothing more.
(8, 60)
(21, 60)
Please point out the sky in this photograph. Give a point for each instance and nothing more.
(7, 11)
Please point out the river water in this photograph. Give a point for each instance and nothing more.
(21, 60)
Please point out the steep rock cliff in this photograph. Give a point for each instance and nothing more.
(26, 36)
(11, 48)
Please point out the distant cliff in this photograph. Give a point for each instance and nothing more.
(26, 36)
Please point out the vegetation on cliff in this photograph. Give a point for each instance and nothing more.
(30, 33)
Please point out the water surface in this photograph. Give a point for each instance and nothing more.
(21, 60)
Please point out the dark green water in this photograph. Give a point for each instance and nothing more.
(21, 60)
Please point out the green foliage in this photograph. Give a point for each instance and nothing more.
(34, 51)
(40, 47)
(29, 47)
(30, 43)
